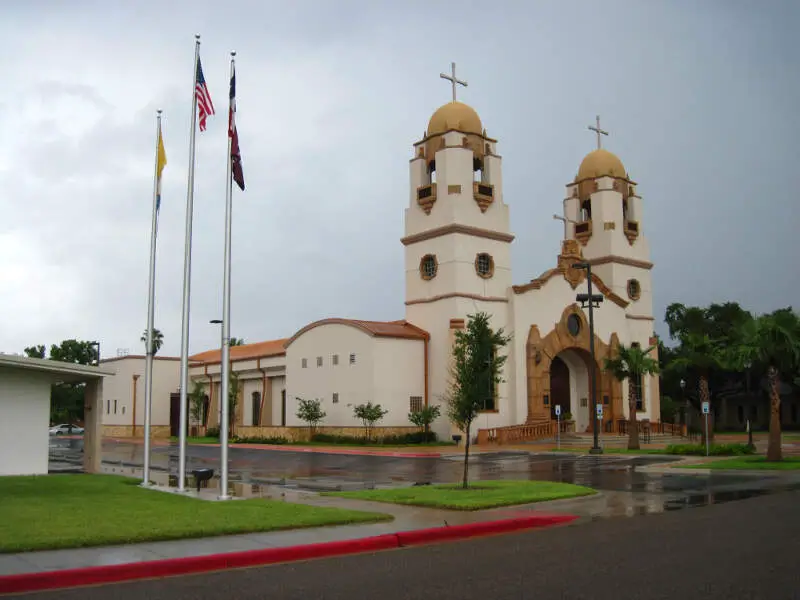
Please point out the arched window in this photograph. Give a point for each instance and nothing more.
(256, 408)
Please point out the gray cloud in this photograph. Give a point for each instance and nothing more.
(699, 99)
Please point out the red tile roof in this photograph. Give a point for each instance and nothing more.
(243, 352)
(391, 329)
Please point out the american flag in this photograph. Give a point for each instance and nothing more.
(236, 156)
(204, 104)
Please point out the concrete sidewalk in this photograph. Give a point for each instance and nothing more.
(406, 518)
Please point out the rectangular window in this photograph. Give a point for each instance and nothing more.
(584, 402)
(638, 390)
(335, 360)
(547, 399)
(605, 400)
(740, 413)
(108, 407)
(336, 397)
(415, 403)
(115, 407)
(304, 363)
(319, 361)
(352, 359)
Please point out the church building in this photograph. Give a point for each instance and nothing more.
(457, 247)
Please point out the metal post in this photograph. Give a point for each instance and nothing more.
(226, 323)
(596, 448)
(558, 430)
(706, 415)
(187, 279)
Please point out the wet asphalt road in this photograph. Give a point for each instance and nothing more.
(738, 550)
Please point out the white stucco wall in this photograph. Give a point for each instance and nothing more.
(166, 380)
(24, 422)
(354, 383)
(398, 375)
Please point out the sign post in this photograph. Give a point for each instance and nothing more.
(558, 426)
(705, 416)
(599, 411)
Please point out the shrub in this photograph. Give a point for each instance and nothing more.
(413, 437)
(714, 449)
(277, 440)
(212, 432)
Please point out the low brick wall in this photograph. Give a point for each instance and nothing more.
(126, 431)
(300, 434)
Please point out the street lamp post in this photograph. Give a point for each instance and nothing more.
(592, 301)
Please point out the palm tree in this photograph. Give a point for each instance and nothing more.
(158, 340)
(631, 363)
(700, 355)
(771, 342)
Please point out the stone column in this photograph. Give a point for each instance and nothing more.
(93, 425)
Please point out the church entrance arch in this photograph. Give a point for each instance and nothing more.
(559, 369)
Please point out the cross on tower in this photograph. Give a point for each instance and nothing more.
(452, 79)
(598, 131)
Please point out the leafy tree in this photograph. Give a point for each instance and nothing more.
(424, 417)
(310, 411)
(197, 399)
(158, 340)
(66, 399)
(632, 363)
(476, 370)
(234, 387)
(700, 356)
(237, 341)
(772, 342)
(369, 414)
(36, 351)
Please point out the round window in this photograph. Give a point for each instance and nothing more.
(634, 289)
(484, 265)
(428, 266)
(574, 325)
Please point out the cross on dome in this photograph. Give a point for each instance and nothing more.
(452, 79)
(598, 131)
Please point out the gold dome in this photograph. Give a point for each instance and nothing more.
(601, 163)
(455, 115)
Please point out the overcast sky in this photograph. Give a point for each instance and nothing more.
(701, 99)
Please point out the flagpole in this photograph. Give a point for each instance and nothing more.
(226, 318)
(187, 271)
(151, 287)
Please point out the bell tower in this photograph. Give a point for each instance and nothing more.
(604, 213)
(457, 239)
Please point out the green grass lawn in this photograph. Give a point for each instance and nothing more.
(480, 494)
(612, 450)
(69, 511)
(197, 440)
(789, 463)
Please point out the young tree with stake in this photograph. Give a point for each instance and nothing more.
(476, 370)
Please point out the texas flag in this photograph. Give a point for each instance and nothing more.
(236, 157)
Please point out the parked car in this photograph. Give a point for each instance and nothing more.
(65, 428)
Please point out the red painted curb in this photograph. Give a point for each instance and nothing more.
(67, 578)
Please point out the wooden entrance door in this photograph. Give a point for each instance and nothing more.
(559, 387)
